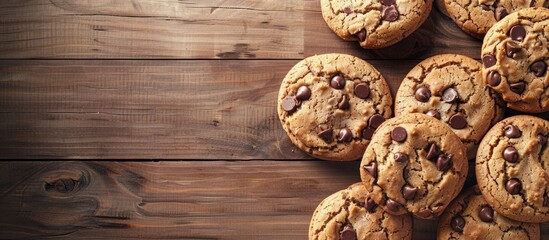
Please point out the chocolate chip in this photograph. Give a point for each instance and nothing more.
(513, 186)
(450, 95)
(375, 121)
(327, 135)
(347, 10)
(344, 102)
(370, 204)
(390, 13)
(338, 82)
(423, 94)
(500, 13)
(493, 78)
(539, 68)
(488, 60)
(409, 192)
(361, 35)
(399, 134)
(517, 33)
(546, 200)
(433, 152)
(362, 90)
(348, 233)
(388, 2)
(458, 223)
(458, 121)
(511, 48)
(303, 93)
(345, 135)
(371, 169)
(433, 113)
(401, 157)
(443, 162)
(289, 103)
(486, 214)
(367, 133)
(392, 205)
(425, 213)
(512, 131)
(485, 7)
(542, 139)
(510, 154)
(518, 87)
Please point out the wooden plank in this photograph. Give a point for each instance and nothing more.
(191, 29)
(149, 109)
(183, 200)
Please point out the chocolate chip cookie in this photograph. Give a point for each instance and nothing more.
(470, 217)
(515, 57)
(350, 214)
(376, 23)
(450, 88)
(414, 163)
(331, 104)
(512, 168)
(475, 17)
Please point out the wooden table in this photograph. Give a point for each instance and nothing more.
(150, 81)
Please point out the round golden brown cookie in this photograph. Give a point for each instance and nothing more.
(475, 17)
(450, 88)
(512, 168)
(470, 217)
(515, 56)
(414, 163)
(351, 215)
(376, 23)
(331, 104)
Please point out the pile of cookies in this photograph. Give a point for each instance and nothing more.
(448, 110)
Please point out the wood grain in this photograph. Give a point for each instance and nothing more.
(161, 200)
(174, 29)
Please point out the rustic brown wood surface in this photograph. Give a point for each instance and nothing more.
(192, 80)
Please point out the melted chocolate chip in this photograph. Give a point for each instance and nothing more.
(458, 121)
(392, 205)
(486, 214)
(371, 169)
(538, 68)
(409, 192)
(303, 93)
(348, 233)
(390, 13)
(399, 134)
(518, 87)
(347, 10)
(485, 7)
(361, 35)
(493, 78)
(433, 113)
(388, 2)
(458, 223)
(338, 82)
(542, 140)
(367, 133)
(401, 157)
(513, 186)
(370, 204)
(345, 135)
(344, 102)
(443, 162)
(510, 154)
(425, 213)
(375, 121)
(423, 94)
(500, 13)
(362, 90)
(289, 104)
(512, 131)
(450, 95)
(327, 135)
(511, 48)
(488, 60)
(433, 152)
(517, 33)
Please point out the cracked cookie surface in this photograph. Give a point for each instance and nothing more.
(475, 17)
(414, 163)
(450, 88)
(515, 55)
(512, 168)
(329, 105)
(470, 217)
(350, 214)
(375, 23)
